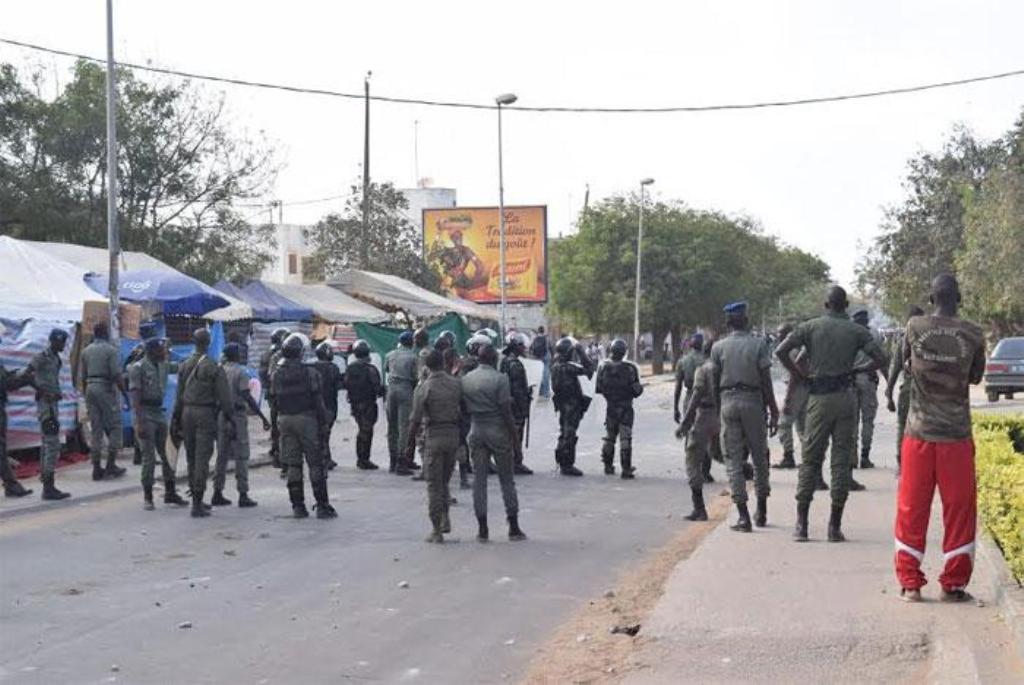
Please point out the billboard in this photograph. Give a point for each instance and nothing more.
(461, 244)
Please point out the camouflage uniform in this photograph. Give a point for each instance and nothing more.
(897, 369)
(619, 382)
(100, 372)
(234, 445)
(794, 408)
(150, 379)
(46, 370)
(301, 415)
(703, 403)
(866, 387)
(202, 393)
(571, 405)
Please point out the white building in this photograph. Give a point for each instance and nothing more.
(426, 198)
(286, 266)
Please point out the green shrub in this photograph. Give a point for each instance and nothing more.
(1000, 462)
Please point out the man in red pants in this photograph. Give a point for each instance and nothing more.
(945, 355)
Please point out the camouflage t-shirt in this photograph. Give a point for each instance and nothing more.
(946, 355)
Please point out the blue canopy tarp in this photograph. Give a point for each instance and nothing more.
(257, 294)
(178, 293)
(262, 311)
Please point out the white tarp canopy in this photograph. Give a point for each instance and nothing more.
(37, 285)
(329, 304)
(398, 293)
(97, 260)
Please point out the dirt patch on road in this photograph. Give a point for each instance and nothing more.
(584, 650)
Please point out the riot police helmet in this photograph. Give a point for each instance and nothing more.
(618, 349)
(475, 342)
(361, 349)
(564, 347)
(421, 338)
(515, 343)
(324, 351)
(278, 336)
(294, 346)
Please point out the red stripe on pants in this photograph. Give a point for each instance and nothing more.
(950, 466)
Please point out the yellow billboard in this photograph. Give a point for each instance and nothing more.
(461, 244)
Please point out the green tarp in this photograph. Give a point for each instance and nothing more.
(383, 339)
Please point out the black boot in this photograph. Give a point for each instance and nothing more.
(12, 488)
(569, 459)
(97, 470)
(482, 533)
(742, 524)
(50, 491)
(464, 472)
(436, 532)
(112, 470)
(628, 472)
(700, 512)
(802, 511)
(821, 485)
(522, 470)
(366, 465)
(865, 461)
(171, 496)
(198, 510)
(854, 485)
(609, 464)
(515, 534)
(298, 500)
(761, 513)
(788, 462)
(835, 524)
(137, 455)
(219, 500)
(446, 522)
(244, 501)
(402, 468)
(392, 464)
(323, 507)
(147, 498)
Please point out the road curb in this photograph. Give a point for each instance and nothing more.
(1006, 591)
(124, 488)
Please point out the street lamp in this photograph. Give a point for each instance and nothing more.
(639, 259)
(505, 99)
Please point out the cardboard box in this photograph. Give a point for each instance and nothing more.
(94, 312)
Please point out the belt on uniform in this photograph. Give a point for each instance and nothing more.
(152, 403)
(395, 379)
(204, 405)
(443, 424)
(823, 385)
(741, 387)
(105, 379)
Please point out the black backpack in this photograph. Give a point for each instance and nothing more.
(539, 347)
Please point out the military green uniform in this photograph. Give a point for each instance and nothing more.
(150, 379)
(866, 387)
(400, 367)
(703, 402)
(100, 372)
(794, 407)
(9, 380)
(435, 406)
(487, 396)
(46, 370)
(686, 371)
(832, 342)
(897, 365)
(301, 416)
(739, 359)
(202, 393)
(234, 447)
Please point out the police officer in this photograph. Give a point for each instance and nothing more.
(743, 383)
(44, 370)
(699, 425)
(619, 382)
(400, 369)
(897, 369)
(865, 384)
(793, 406)
(832, 342)
(362, 380)
(686, 370)
(466, 365)
(488, 399)
(100, 371)
(235, 446)
(435, 406)
(302, 416)
(10, 380)
(147, 385)
(202, 393)
(332, 381)
(268, 362)
(421, 346)
(569, 400)
(522, 395)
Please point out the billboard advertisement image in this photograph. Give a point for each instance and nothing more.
(461, 244)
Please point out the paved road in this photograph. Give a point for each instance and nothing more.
(270, 599)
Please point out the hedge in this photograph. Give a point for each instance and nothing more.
(1000, 463)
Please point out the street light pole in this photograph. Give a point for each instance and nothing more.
(506, 99)
(363, 251)
(639, 260)
(113, 237)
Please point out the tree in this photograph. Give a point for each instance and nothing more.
(922, 236)
(693, 262)
(393, 245)
(181, 171)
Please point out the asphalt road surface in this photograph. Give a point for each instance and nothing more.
(103, 591)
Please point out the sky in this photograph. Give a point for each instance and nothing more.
(817, 176)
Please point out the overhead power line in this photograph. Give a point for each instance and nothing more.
(580, 110)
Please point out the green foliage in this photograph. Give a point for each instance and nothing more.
(693, 262)
(392, 244)
(962, 215)
(1000, 466)
(181, 172)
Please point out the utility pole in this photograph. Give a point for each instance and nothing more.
(113, 237)
(506, 99)
(416, 152)
(363, 254)
(639, 261)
